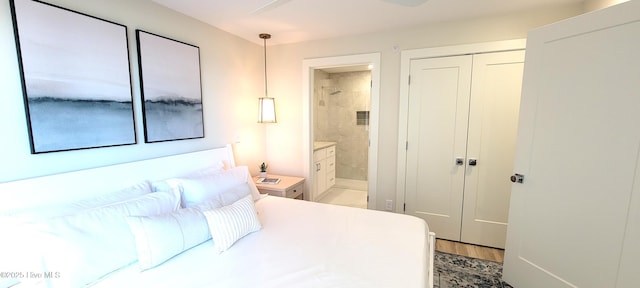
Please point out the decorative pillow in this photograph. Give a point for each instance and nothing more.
(160, 237)
(196, 190)
(87, 245)
(230, 223)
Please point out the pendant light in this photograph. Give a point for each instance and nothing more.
(267, 106)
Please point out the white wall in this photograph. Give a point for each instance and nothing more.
(232, 79)
(285, 139)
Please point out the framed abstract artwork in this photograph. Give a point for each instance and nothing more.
(75, 75)
(170, 87)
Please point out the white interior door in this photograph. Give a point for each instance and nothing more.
(578, 147)
(493, 124)
(437, 133)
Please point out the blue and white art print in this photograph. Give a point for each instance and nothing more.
(76, 78)
(171, 89)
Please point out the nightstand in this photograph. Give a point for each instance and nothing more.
(289, 186)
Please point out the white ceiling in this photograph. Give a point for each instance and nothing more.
(291, 21)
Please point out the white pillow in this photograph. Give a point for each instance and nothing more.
(230, 223)
(44, 212)
(12, 221)
(87, 245)
(160, 237)
(198, 189)
(217, 167)
(214, 168)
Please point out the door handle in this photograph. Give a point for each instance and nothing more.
(473, 162)
(459, 161)
(517, 178)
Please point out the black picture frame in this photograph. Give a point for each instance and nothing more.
(75, 76)
(171, 88)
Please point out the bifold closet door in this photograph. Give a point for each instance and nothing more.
(463, 117)
(492, 133)
(437, 136)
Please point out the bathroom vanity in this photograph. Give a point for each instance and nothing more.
(324, 169)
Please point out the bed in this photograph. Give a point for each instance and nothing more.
(258, 240)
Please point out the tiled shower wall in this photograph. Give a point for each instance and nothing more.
(336, 120)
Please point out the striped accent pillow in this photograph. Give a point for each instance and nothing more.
(230, 223)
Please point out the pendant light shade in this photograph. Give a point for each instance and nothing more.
(267, 113)
(267, 106)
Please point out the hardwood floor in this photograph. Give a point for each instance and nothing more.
(481, 252)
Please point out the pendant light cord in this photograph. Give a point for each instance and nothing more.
(266, 93)
(264, 37)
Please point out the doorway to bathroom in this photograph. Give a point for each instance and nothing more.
(341, 129)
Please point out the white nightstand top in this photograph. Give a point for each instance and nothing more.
(284, 184)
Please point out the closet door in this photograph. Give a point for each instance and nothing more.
(437, 135)
(493, 124)
(574, 220)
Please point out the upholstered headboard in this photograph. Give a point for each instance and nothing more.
(89, 183)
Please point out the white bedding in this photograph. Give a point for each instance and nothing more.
(301, 244)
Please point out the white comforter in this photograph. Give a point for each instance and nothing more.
(301, 244)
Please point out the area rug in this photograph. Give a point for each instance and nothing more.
(453, 271)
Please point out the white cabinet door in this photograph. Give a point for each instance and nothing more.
(493, 124)
(437, 125)
(324, 171)
(319, 178)
(572, 219)
(330, 171)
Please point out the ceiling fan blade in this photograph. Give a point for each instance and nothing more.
(269, 5)
(409, 3)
